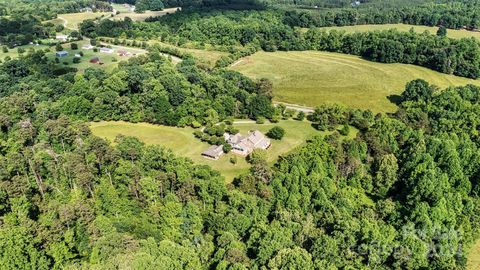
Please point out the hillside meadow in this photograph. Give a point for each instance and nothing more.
(452, 33)
(183, 143)
(311, 78)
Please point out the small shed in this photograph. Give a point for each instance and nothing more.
(95, 60)
(213, 152)
(87, 47)
(61, 54)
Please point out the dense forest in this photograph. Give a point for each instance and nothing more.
(402, 195)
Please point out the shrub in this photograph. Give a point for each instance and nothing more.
(233, 160)
(276, 133)
(5, 49)
(345, 130)
(258, 155)
(58, 47)
(21, 50)
(301, 116)
(260, 120)
(74, 46)
(76, 60)
(227, 148)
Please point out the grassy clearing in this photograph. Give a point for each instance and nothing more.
(74, 19)
(311, 78)
(473, 262)
(125, 12)
(405, 27)
(207, 56)
(13, 53)
(183, 143)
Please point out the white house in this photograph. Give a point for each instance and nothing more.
(213, 152)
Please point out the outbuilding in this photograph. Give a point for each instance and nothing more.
(61, 54)
(213, 152)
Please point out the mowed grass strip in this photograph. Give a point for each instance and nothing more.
(183, 143)
(404, 27)
(473, 261)
(311, 78)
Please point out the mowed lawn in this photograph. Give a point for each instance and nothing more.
(311, 78)
(183, 143)
(404, 27)
(473, 262)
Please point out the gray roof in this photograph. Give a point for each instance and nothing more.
(214, 151)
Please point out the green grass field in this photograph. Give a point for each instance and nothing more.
(473, 262)
(311, 78)
(404, 27)
(13, 53)
(74, 19)
(208, 56)
(183, 143)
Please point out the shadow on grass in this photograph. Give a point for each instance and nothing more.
(395, 99)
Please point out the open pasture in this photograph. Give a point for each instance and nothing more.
(311, 78)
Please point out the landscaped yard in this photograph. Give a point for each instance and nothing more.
(405, 27)
(183, 143)
(311, 78)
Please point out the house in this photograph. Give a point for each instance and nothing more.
(106, 50)
(87, 47)
(78, 55)
(244, 145)
(213, 152)
(356, 3)
(95, 60)
(61, 54)
(62, 37)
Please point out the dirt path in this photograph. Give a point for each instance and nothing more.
(65, 23)
(296, 107)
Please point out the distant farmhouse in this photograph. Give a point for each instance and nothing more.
(61, 54)
(241, 145)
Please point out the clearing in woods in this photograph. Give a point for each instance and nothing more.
(311, 78)
(404, 27)
(473, 262)
(183, 143)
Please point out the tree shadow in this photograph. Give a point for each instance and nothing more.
(395, 99)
